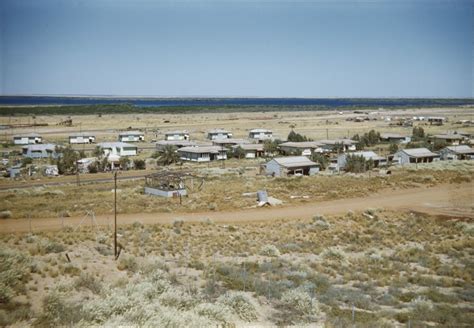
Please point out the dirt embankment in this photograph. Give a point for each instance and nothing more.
(453, 200)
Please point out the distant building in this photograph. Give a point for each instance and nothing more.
(218, 134)
(436, 120)
(27, 139)
(305, 148)
(450, 139)
(202, 153)
(462, 152)
(162, 144)
(333, 145)
(82, 138)
(251, 150)
(367, 155)
(415, 155)
(294, 165)
(177, 135)
(260, 135)
(118, 149)
(131, 136)
(394, 138)
(40, 151)
(229, 142)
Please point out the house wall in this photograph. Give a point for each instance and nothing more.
(27, 140)
(132, 138)
(81, 140)
(260, 136)
(214, 136)
(127, 151)
(176, 137)
(194, 157)
(250, 154)
(273, 168)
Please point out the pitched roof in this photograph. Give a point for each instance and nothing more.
(448, 136)
(27, 135)
(131, 133)
(115, 144)
(419, 152)
(391, 135)
(462, 149)
(40, 147)
(294, 161)
(346, 142)
(81, 135)
(201, 149)
(176, 143)
(302, 144)
(176, 132)
(218, 131)
(258, 147)
(259, 130)
(366, 154)
(231, 141)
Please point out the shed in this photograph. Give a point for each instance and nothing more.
(260, 134)
(177, 135)
(394, 138)
(169, 183)
(27, 139)
(131, 136)
(449, 138)
(415, 155)
(251, 150)
(462, 152)
(305, 148)
(218, 134)
(367, 155)
(294, 165)
(202, 153)
(40, 151)
(160, 145)
(332, 145)
(81, 138)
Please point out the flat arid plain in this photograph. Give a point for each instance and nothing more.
(341, 249)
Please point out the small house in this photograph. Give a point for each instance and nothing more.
(294, 165)
(336, 145)
(27, 139)
(84, 163)
(415, 155)
(436, 120)
(449, 138)
(82, 138)
(251, 150)
(202, 153)
(462, 152)
(40, 151)
(162, 144)
(177, 135)
(394, 138)
(305, 148)
(229, 142)
(260, 135)
(118, 149)
(131, 136)
(218, 134)
(367, 155)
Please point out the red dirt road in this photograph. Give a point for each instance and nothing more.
(456, 200)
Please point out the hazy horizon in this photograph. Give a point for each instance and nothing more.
(237, 49)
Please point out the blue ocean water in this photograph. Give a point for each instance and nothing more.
(214, 102)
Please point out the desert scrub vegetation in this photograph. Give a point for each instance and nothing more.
(71, 200)
(373, 268)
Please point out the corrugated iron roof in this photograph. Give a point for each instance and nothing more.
(462, 149)
(419, 152)
(201, 149)
(131, 133)
(115, 145)
(302, 144)
(294, 161)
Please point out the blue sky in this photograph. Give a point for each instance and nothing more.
(419, 48)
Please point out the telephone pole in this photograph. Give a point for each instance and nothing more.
(115, 214)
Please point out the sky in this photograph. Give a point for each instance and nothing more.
(320, 48)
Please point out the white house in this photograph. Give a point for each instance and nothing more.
(305, 148)
(218, 134)
(461, 152)
(294, 165)
(202, 153)
(118, 149)
(177, 135)
(415, 155)
(27, 139)
(367, 155)
(40, 151)
(131, 136)
(260, 134)
(251, 150)
(81, 138)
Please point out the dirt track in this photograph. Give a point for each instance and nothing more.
(454, 200)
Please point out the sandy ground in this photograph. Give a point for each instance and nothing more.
(450, 200)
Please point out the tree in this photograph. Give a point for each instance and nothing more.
(239, 152)
(139, 164)
(358, 164)
(321, 160)
(124, 163)
(97, 152)
(67, 161)
(418, 133)
(168, 155)
(25, 161)
(270, 146)
(296, 137)
(393, 148)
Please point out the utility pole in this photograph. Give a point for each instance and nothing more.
(115, 214)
